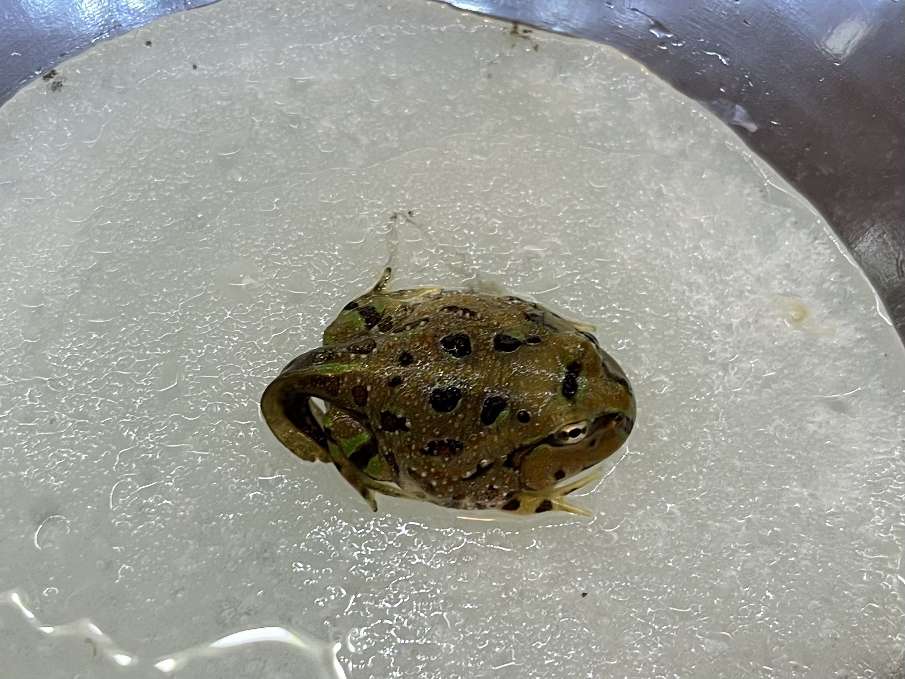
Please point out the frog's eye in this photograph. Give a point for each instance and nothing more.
(571, 433)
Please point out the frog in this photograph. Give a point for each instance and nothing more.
(464, 399)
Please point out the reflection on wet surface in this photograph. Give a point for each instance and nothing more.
(321, 655)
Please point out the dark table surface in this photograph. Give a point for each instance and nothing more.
(816, 87)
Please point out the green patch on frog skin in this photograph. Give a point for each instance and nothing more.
(332, 368)
(347, 321)
(378, 468)
(502, 418)
(351, 322)
(517, 332)
(349, 446)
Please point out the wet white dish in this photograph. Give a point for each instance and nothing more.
(186, 211)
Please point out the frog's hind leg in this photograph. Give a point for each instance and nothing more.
(365, 485)
(537, 501)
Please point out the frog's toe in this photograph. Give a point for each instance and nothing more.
(368, 497)
(533, 503)
(356, 479)
(550, 499)
(364, 485)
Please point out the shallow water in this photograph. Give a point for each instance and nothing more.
(181, 218)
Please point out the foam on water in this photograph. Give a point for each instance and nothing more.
(180, 219)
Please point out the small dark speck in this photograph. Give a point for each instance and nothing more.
(194, 67)
(584, 594)
(393, 423)
(569, 386)
(50, 75)
(147, 43)
(56, 85)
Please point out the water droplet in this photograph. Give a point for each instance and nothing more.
(321, 653)
(656, 28)
(734, 114)
(723, 60)
(50, 531)
(83, 629)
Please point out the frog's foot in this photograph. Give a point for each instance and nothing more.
(364, 484)
(384, 280)
(550, 499)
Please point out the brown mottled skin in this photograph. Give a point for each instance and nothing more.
(462, 399)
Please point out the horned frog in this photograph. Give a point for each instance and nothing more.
(462, 399)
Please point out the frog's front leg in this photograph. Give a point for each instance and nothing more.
(355, 455)
(357, 443)
(361, 482)
(353, 476)
(549, 499)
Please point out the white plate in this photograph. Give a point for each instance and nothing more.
(181, 218)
